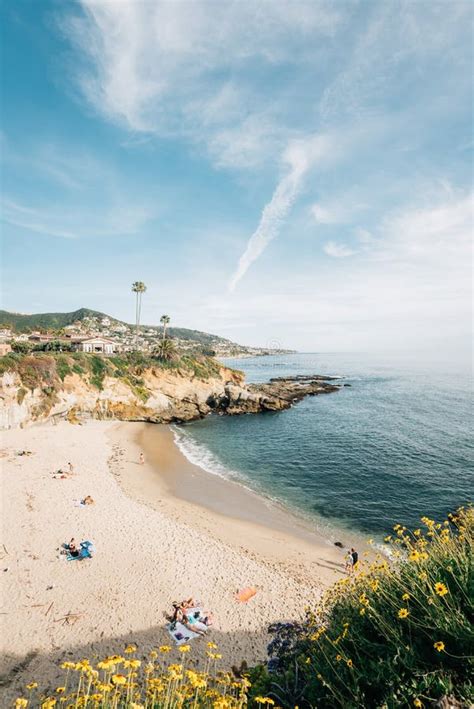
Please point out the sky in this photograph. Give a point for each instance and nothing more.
(282, 173)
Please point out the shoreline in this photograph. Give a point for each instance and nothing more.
(227, 509)
(151, 548)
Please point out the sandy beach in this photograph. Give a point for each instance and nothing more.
(162, 531)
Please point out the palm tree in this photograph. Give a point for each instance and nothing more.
(138, 288)
(164, 320)
(165, 350)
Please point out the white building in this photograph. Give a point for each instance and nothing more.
(100, 345)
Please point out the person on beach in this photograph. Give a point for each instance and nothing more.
(71, 468)
(142, 459)
(88, 500)
(351, 560)
(72, 548)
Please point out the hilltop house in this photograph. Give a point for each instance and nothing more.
(91, 343)
(98, 344)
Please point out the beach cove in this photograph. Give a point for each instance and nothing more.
(162, 531)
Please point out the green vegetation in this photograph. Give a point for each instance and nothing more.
(45, 321)
(398, 635)
(48, 371)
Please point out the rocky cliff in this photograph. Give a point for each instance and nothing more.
(35, 389)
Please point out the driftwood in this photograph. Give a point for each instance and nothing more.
(69, 618)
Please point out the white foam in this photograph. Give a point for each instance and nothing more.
(199, 455)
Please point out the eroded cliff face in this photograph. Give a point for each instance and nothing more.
(158, 396)
(166, 396)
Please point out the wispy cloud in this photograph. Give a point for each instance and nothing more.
(300, 156)
(196, 69)
(72, 222)
(331, 248)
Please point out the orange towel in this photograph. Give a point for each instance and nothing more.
(245, 594)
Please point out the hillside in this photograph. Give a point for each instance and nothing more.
(99, 323)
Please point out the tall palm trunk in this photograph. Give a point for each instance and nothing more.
(139, 312)
(137, 318)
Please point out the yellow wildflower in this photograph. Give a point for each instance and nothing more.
(349, 663)
(405, 597)
(68, 666)
(21, 702)
(417, 703)
(212, 646)
(403, 612)
(417, 532)
(439, 646)
(414, 555)
(362, 611)
(165, 648)
(48, 703)
(60, 690)
(32, 685)
(130, 648)
(440, 589)
(153, 654)
(119, 679)
(338, 658)
(264, 700)
(185, 648)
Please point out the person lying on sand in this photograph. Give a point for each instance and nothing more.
(62, 474)
(71, 548)
(88, 500)
(190, 603)
(198, 621)
(204, 617)
(193, 624)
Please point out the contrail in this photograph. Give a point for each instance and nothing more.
(300, 155)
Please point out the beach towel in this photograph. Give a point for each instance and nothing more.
(245, 594)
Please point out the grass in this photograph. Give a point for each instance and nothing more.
(395, 635)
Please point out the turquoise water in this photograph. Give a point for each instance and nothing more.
(393, 446)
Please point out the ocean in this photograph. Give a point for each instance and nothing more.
(392, 447)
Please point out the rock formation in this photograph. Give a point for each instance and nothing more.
(163, 395)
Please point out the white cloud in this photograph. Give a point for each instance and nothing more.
(71, 222)
(331, 248)
(195, 69)
(342, 210)
(299, 157)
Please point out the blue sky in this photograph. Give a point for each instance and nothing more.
(293, 173)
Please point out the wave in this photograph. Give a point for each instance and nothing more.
(199, 455)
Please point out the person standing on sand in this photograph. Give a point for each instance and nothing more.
(355, 559)
(71, 468)
(142, 459)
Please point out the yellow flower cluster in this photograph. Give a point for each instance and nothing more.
(130, 683)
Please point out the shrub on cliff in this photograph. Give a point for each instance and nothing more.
(395, 635)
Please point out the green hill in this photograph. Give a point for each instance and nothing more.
(19, 323)
(45, 321)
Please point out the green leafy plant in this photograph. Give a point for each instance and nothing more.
(396, 634)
